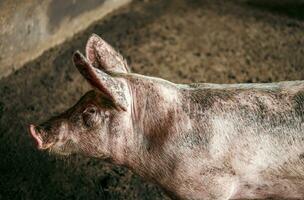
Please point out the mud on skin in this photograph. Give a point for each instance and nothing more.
(197, 141)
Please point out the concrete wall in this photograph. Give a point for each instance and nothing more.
(29, 27)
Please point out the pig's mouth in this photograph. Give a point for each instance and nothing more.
(36, 134)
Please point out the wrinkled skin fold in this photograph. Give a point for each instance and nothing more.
(197, 141)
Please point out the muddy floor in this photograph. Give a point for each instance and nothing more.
(182, 41)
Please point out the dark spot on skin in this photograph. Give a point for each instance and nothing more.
(262, 108)
(299, 104)
(206, 98)
(191, 139)
(158, 135)
(301, 156)
(247, 186)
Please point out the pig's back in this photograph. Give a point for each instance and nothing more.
(257, 128)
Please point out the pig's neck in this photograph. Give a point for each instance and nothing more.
(158, 116)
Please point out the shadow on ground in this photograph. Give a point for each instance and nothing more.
(290, 8)
(45, 87)
(183, 41)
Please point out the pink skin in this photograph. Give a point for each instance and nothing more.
(36, 136)
(202, 141)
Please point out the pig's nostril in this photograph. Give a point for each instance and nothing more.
(35, 134)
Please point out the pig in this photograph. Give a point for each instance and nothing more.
(196, 141)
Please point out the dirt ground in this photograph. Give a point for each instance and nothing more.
(182, 41)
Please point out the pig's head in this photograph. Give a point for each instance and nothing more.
(101, 118)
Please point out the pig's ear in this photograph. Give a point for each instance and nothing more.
(113, 89)
(101, 55)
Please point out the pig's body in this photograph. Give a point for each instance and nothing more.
(198, 141)
(221, 141)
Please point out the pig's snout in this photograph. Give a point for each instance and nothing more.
(36, 134)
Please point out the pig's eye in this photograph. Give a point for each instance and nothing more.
(90, 116)
(91, 110)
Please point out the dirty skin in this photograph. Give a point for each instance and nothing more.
(197, 141)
